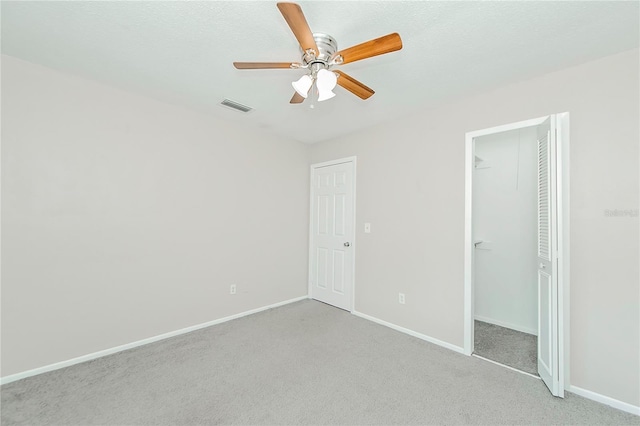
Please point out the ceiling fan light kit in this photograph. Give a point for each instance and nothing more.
(319, 54)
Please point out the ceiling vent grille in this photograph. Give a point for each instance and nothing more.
(235, 105)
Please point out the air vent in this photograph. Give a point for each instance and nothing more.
(235, 105)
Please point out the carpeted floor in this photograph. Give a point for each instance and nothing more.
(506, 346)
(304, 363)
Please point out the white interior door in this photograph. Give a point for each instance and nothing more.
(332, 229)
(547, 256)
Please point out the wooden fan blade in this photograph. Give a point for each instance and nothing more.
(354, 86)
(368, 49)
(295, 18)
(297, 99)
(263, 65)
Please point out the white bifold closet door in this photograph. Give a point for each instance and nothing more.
(548, 361)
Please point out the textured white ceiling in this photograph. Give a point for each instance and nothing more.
(182, 52)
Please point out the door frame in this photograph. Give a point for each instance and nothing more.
(313, 169)
(562, 195)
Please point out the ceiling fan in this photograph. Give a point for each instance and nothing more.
(320, 54)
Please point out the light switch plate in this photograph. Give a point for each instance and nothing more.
(367, 228)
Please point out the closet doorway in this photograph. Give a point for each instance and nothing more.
(504, 231)
(515, 258)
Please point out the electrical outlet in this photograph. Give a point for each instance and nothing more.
(401, 298)
(232, 289)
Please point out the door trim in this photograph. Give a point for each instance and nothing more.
(312, 170)
(562, 194)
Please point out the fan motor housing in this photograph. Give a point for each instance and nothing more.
(327, 46)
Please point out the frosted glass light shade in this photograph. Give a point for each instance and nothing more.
(325, 82)
(303, 85)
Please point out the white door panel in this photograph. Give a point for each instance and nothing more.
(332, 207)
(545, 353)
(546, 258)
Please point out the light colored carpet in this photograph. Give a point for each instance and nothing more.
(509, 347)
(304, 363)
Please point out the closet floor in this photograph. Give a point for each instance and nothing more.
(509, 347)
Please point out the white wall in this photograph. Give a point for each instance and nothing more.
(125, 218)
(411, 188)
(505, 216)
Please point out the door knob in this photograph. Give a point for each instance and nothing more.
(542, 266)
(347, 244)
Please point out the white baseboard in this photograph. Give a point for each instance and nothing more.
(99, 354)
(629, 408)
(507, 325)
(410, 332)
